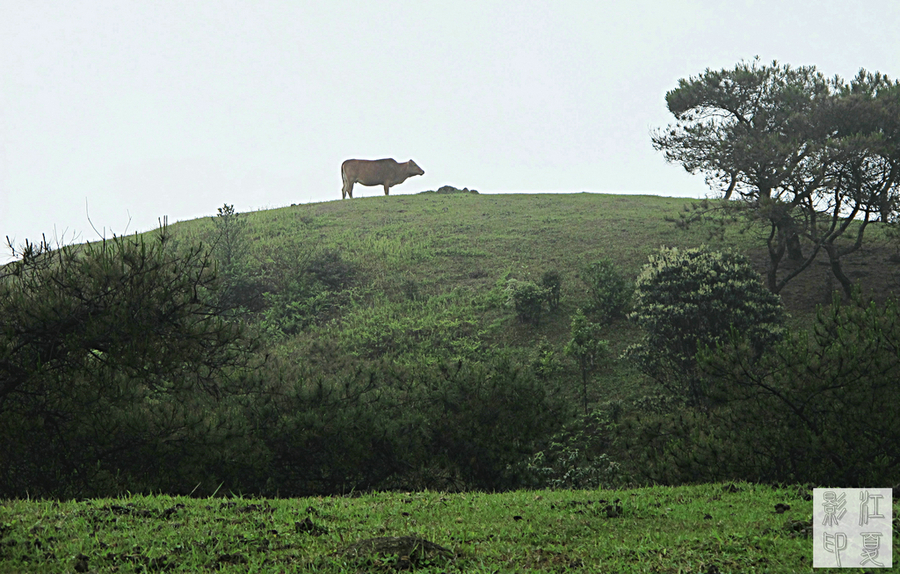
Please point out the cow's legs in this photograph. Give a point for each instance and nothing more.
(347, 190)
(386, 189)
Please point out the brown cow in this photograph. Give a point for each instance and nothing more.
(386, 172)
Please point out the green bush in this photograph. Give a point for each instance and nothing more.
(329, 432)
(446, 426)
(688, 299)
(577, 456)
(545, 361)
(306, 289)
(229, 243)
(329, 268)
(818, 406)
(609, 292)
(485, 420)
(412, 332)
(527, 298)
(589, 351)
(551, 282)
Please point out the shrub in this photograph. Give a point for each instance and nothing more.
(551, 282)
(241, 291)
(331, 270)
(608, 290)
(330, 432)
(587, 349)
(545, 361)
(577, 456)
(485, 420)
(821, 406)
(687, 299)
(230, 244)
(307, 288)
(439, 329)
(445, 426)
(527, 298)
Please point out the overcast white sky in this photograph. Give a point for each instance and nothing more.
(143, 109)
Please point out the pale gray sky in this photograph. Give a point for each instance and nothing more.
(145, 109)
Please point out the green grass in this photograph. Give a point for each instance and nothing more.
(430, 269)
(706, 528)
(444, 238)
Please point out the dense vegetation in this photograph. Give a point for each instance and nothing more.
(453, 341)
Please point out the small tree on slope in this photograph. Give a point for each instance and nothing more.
(693, 298)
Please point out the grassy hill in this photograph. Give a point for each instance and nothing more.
(421, 277)
(390, 361)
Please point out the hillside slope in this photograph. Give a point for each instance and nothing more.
(417, 278)
(377, 350)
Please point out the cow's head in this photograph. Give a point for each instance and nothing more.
(413, 169)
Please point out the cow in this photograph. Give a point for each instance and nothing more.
(386, 172)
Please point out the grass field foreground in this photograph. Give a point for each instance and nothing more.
(706, 529)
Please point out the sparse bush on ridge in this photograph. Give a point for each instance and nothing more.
(450, 189)
(241, 292)
(230, 243)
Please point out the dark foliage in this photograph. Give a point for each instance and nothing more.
(608, 290)
(113, 358)
(450, 427)
(819, 407)
(307, 288)
(329, 268)
(551, 281)
(240, 291)
(578, 455)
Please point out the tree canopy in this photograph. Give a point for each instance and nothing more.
(807, 156)
(689, 299)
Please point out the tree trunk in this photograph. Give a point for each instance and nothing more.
(776, 252)
(795, 251)
(835, 259)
